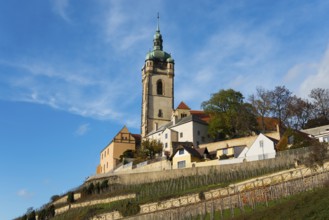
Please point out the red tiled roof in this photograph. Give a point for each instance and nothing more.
(136, 136)
(182, 105)
(201, 114)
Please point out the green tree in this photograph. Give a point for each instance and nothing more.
(51, 211)
(31, 216)
(151, 147)
(70, 197)
(230, 116)
(127, 154)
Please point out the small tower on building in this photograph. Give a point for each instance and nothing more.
(158, 87)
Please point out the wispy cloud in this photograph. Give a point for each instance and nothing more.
(25, 194)
(82, 91)
(120, 27)
(60, 7)
(82, 129)
(318, 78)
(230, 58)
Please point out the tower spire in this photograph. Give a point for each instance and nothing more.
(158, 26)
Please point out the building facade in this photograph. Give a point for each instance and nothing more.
(157, 87)
(110, 155)
(183, 127)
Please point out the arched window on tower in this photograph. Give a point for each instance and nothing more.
(159, 87)
(160, 114)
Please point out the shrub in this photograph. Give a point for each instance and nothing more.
(202, 196)
(283, 144)
(223, 157)
(128, 207)
(54, 198)
(104, 185)
(90, 188)
(97, 188)
(317, 156)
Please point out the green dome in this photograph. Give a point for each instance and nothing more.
(159, 55)
(170, 60)
(157, 35)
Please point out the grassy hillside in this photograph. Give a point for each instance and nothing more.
(308, 205)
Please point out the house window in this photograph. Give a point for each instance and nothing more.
(181, 151)
(159, 87)
(199, 132)
(166, 136)
(181, 134)
(261, 143)
(181, 164)
(225, 151)
(183, 115)
(166, 145)
(160, 114)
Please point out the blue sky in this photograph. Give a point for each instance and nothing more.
(70, 74)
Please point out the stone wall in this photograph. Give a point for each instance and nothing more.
(63, 199)
(152, 167)
(93, 202)
(247, 193)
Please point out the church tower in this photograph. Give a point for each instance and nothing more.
(158, 87)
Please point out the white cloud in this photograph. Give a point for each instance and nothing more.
(25, 193)
(60, 7)
(82, 129)
(318, 78)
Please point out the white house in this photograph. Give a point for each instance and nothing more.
(262, 148)
(321, 133)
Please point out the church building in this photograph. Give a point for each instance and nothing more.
(158, 87)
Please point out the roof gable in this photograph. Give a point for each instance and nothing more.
(182, 105)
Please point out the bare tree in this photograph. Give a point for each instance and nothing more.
(299, 112)
(280, 99)
(321, 102)
(261, 101)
